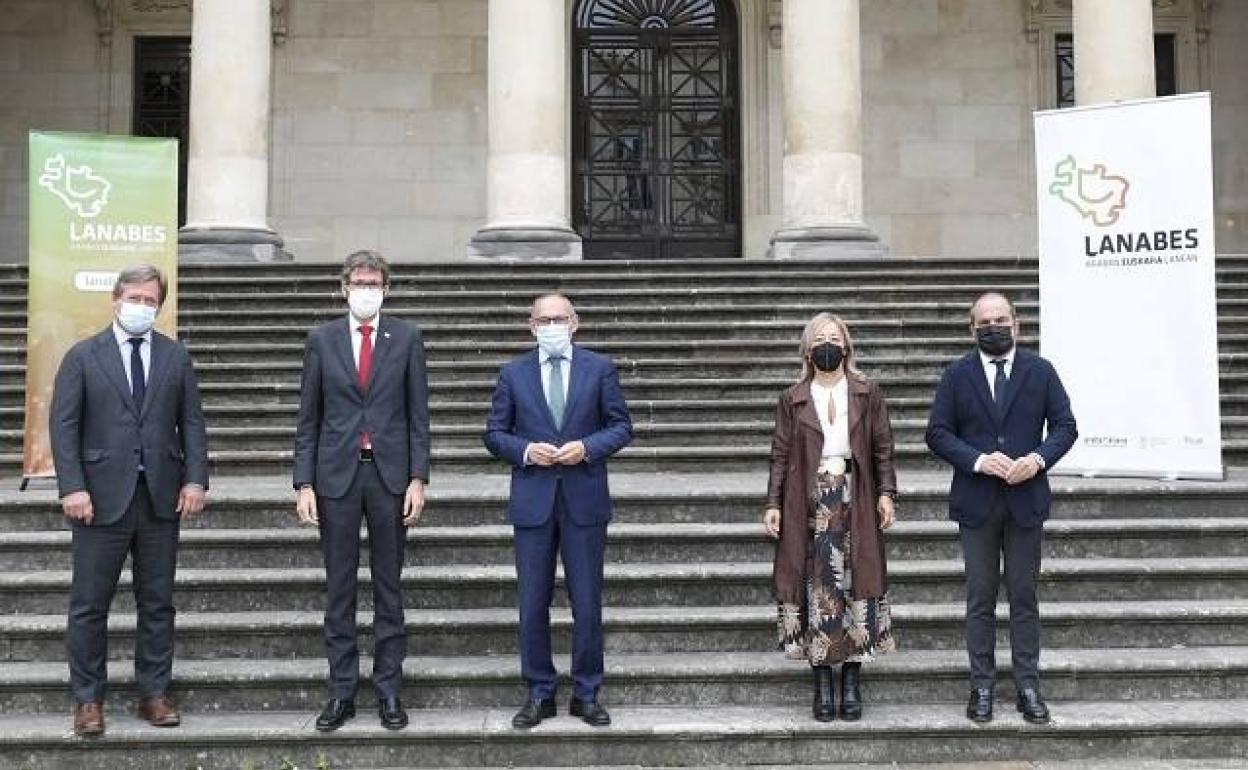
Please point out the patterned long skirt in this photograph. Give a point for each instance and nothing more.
(831, 626)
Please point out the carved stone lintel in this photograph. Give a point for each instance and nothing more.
(279, 17)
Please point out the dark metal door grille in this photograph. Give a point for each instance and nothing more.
(655, 137)
(162, 97)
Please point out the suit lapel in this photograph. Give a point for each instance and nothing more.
(159, 368)
(341, 339)
(1018, 376)
(979, 382)
(858, 392)
(109, 356)
(805, 407)
(576, 382)
(533, 378)
(382, 342)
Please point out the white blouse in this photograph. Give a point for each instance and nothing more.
(832, 406)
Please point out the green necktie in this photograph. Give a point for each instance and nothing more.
(554, 390)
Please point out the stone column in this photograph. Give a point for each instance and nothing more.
(821, 58)
(1113, 50)
(228, 174)
(528, 176)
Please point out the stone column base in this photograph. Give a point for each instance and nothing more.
(230, 244)
(525, 243)
(826, 242)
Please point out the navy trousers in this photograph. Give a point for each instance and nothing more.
(581, 549)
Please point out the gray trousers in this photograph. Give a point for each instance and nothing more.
(99, 553)
(982, 549)
(368, 501)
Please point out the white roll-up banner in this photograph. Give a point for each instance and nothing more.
(1128, 305)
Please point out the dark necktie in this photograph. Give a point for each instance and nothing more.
(138, 379)
(999, 384)
(554, 387)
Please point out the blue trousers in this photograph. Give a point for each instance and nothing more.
(581, 549)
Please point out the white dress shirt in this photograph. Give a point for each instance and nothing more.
(835, 424)
(145, 353)
(357, 339)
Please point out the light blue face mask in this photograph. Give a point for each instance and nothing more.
(554, 340)
(136, 319)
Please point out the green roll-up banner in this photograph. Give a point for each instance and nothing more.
(98, 204)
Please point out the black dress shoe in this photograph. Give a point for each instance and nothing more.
(591, 712)
(393, 717)
(533, 712)
(1032, 706)
(851, 692)
(824, 708)
(335, 714)
(979, 708)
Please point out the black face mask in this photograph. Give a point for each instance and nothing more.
(827, 356)
(995, 340)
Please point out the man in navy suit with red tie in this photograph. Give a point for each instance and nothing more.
(557, 415)
(989, 418)
(362, 455)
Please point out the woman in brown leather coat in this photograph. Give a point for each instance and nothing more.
(829, 498)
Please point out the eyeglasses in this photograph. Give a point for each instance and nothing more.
(550, 320)
(365, 285)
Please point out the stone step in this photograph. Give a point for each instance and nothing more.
(643, 584)
(691, 679)
(466, 500)
(432, 546)
(284, 633)
(641, 736)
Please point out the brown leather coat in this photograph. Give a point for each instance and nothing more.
(796, 448)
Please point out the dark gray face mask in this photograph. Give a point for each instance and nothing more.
(995, 340)
(827, 356)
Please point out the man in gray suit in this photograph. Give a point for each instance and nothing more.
(362, 454)
(131, 457)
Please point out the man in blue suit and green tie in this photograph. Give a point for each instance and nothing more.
(557, 415)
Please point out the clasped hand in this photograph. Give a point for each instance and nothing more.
(1012, 472)
(545, 454)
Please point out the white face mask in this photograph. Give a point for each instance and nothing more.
(136, 319)
(365, 303)
(554, 340)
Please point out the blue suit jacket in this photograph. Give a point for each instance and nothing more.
(595, 413)
(964, 424)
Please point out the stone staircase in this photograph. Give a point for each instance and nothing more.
(1145, 584)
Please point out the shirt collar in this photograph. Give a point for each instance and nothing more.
(355, 324)
(123, 336)
(543, 356)
(988, 360)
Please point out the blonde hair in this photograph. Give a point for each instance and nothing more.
(813, 327)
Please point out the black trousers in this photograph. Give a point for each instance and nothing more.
(982, 550)
(99, 553)
(367, 501)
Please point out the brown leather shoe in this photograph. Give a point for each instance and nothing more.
(159, 711)
(89, 719)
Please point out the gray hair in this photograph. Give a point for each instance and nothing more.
(367, 260)
(137, 274)
(553, 295)
(992, 295)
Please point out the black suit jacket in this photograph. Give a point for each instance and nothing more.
(964, 424)
(333, 410)
(99, 437)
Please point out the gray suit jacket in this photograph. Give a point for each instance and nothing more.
(99, 437)
(333, 410)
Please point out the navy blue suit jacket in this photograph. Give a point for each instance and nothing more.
(595, 413)
(964, 424)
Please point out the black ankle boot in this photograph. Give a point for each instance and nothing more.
(825, 695)
(851, 693)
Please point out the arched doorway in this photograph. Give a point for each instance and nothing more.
(655, 129)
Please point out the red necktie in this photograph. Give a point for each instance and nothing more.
(365, 367)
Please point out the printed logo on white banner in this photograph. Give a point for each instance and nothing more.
(78, 187)
(1093, 192)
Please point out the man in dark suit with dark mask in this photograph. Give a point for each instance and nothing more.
(989, 418)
